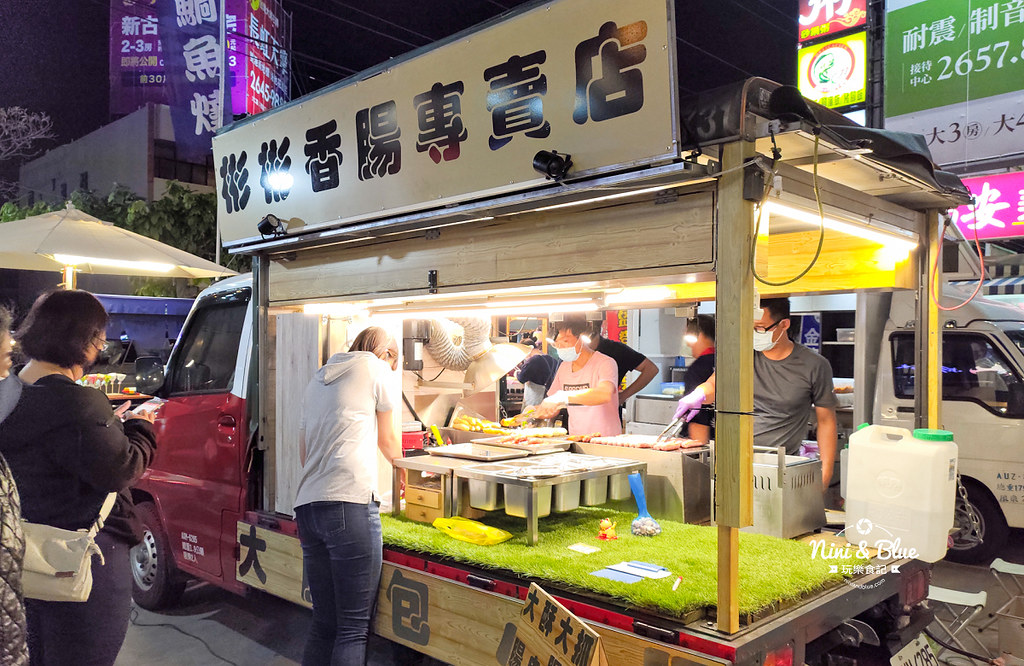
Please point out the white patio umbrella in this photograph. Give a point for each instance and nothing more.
(74, 242)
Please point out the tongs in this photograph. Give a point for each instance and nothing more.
(672, 427)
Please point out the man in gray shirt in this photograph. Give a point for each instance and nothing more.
(788, 380)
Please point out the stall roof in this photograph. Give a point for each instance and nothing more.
(894, 166)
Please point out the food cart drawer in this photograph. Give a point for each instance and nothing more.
(422, 514)
(423, 497)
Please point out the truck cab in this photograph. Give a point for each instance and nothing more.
(982, 404)
(196, 489)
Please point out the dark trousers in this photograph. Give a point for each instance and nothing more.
(342, 552)
(90, 633)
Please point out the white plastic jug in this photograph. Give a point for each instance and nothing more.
(901, 490)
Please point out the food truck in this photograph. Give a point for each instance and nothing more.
(552, 169)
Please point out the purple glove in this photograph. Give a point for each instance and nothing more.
(689, 405)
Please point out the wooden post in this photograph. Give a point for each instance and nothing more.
(734, 366)
(933, 327)
(927, 330)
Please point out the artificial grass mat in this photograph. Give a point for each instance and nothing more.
(772, 571)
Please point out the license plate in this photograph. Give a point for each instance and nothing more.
(916, 653)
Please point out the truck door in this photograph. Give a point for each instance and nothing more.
(982, 389)
(197, 476)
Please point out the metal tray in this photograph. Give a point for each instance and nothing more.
(475, 451)
(551, 445)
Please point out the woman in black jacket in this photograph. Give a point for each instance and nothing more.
(68, 450)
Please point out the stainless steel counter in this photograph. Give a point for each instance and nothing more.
(678, 482)
(601, 467)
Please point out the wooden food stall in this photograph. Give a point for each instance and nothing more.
(661, 206)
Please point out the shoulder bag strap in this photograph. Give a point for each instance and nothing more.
(108, 504)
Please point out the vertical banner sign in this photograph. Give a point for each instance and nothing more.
(834, 74)
(547, 634)
(998, 210)
(954, 72)
(810, 332)
(194, 59)
(464, 120)
(258, 38)
(819, 18)
(136, 57)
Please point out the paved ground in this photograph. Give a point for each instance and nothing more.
(213, 627)
(216, 628)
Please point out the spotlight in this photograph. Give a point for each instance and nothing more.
(271, 225)
(280, 181)
(552, 165)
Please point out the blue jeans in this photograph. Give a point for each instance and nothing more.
(342, 551)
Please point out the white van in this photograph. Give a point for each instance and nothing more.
(982, 404)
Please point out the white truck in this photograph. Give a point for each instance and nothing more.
(982, 402)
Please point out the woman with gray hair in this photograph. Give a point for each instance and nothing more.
(13, 635)
(347, 416)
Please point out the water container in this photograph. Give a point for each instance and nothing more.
(901, 485)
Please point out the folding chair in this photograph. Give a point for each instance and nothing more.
(1005, 573)
(962, 608)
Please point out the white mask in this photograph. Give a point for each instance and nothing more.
(763, 341)
(568, 354)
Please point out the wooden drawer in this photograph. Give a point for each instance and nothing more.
(427, 497)
(422, 514)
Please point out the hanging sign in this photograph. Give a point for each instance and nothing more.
(998, 209)
(592, 78)
(819, 18)
(834, 73)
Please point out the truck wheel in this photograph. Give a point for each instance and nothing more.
(992, 528)
(155, 581)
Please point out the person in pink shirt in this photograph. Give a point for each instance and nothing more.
(585, 382)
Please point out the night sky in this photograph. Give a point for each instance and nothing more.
(55, 54)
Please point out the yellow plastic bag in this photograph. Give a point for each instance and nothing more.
(472, 531)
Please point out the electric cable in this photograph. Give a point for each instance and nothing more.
(776, 154)
(933, 279)
(709, 53)
(134, 620)
(951, 648)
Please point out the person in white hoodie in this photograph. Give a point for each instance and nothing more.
(347, 415)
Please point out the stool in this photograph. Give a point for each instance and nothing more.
(1005, 573)
(962, 607)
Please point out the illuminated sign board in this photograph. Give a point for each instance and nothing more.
(819, 18)
(834, 73)
(593, 78)
(258, 38)
(954, 72)
(137, 75)
(998, 210)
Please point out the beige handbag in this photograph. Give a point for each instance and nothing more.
(58, 563)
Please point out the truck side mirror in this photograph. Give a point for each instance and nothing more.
(149, 374)
(1015, 401)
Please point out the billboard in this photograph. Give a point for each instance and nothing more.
(998, 210)
(593, 78)
(257, 46)
(137, 75)
(819, 18)
(834, 73)
(258, 39)
(954, 72)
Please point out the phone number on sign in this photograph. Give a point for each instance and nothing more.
(993, 55)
